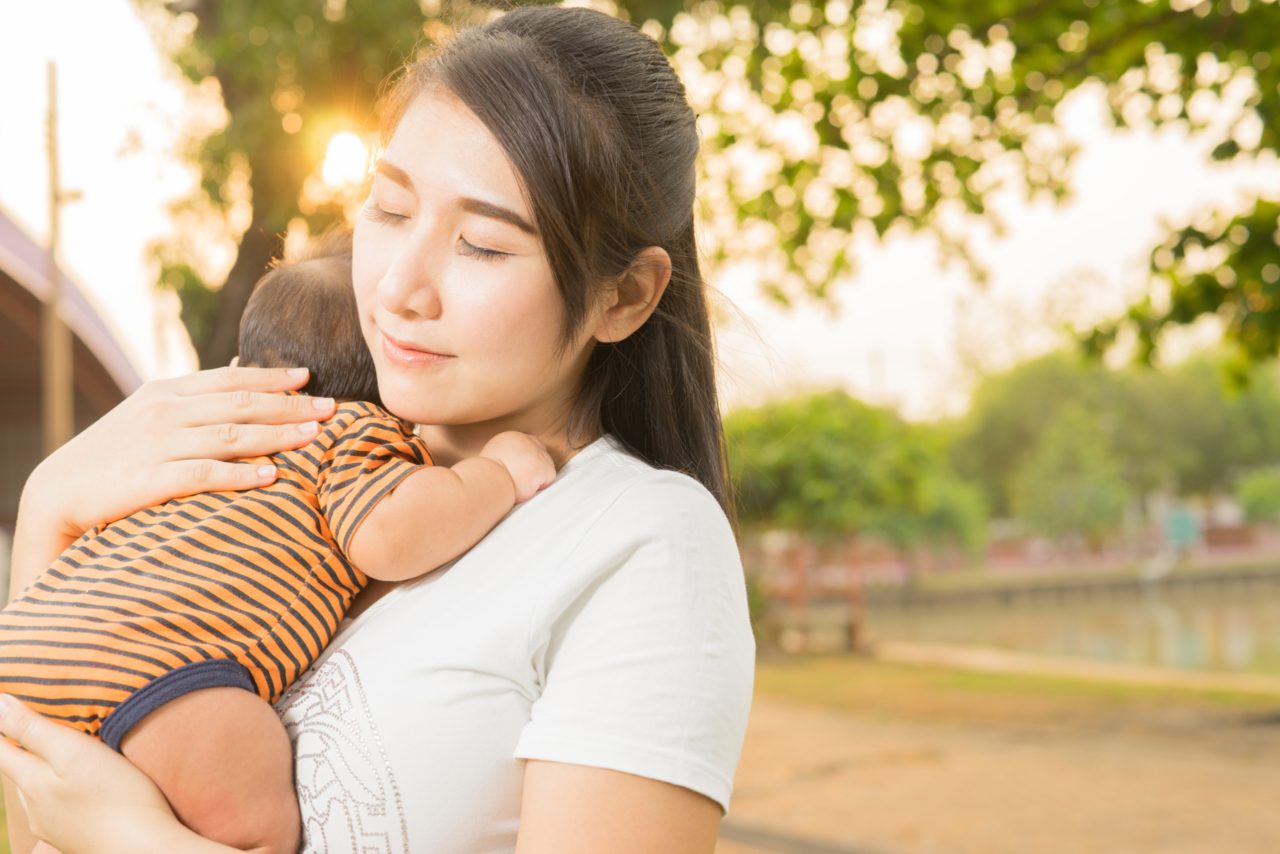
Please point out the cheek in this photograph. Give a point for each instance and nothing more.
(364, 278)
(520, 327)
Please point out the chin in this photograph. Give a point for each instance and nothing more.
(405, 406)
(414, 404)
(399, 398)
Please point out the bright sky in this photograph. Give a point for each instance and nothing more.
(903, 332)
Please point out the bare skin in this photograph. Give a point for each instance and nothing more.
(497, 326)
(188, 433)
(233, 783)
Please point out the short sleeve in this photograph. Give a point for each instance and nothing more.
(648, 667)
(364, 463)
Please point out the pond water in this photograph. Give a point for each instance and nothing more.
(1224, 629)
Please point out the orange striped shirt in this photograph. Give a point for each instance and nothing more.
(260, 577)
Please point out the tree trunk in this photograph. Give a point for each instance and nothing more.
(257, 248)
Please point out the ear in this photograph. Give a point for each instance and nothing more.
(235, 360)
(630, 301)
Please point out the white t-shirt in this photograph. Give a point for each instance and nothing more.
(602, 623)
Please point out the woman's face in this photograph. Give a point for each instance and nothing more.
(456, 295)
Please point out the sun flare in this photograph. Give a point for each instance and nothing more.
(346, 161)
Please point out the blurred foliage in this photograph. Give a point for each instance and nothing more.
(290, 73)
(822, 123)
(1180, 430)
(916, 114)
(199, 303)
(1259, 495)
(830, 465)
(1061, 443)
(1071, 482)
(1229, 267)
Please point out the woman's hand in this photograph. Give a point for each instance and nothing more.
(172, 438)
(81, 796)
(168, 439)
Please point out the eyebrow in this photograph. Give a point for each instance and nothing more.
(475, 206)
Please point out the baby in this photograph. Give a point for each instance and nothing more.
(150, 631)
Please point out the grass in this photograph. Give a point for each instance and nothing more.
(863, 686)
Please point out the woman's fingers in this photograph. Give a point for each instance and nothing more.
(36, 740)
(249, 407)
(235, 379)
(80, 795)
(17, 764)
(228, 441)
(188, 477)
(170, 438)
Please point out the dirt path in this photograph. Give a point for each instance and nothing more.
(814, 781)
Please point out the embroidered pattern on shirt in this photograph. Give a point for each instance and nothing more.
(346, 790)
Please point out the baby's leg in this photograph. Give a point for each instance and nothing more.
(223, 760)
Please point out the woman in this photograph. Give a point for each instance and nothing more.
(579, 680)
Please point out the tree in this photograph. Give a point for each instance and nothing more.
(1180, 430)
(896, 113)
(822, 123)
(290, 74)
(829, 465)
(1008, 416)
(1259, 494)
(1071, 483)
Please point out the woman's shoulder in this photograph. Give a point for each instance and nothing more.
(641, 640)
(639, 495)
(659, 533)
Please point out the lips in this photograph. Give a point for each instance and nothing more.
(409, 355)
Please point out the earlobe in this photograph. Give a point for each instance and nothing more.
(634, 297)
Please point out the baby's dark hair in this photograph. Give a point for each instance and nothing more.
(303, 313)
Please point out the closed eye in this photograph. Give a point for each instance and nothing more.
(377, 214)
(480, 252)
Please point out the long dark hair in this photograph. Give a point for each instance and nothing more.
(597, 125)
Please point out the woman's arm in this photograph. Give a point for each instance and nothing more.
(647, 671)
(576, 808)
(167, 439)
(84, 798)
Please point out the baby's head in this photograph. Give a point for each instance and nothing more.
(303, 313)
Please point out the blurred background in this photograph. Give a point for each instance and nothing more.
(996, 288)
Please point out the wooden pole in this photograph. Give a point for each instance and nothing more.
(55, 337)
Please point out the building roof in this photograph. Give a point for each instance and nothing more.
(27, 263)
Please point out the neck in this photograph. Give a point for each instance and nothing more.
(451, 443)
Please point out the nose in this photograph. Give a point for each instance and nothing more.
(409, 288)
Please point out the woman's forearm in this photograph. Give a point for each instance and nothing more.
(41, 533)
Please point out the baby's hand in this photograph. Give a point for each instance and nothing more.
(525, 458)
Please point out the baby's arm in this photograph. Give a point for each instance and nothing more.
(437, 513)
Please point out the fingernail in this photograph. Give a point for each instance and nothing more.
(7, 702)
(298, 373)
(266, 471)
(308, 427)
(322, 403)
